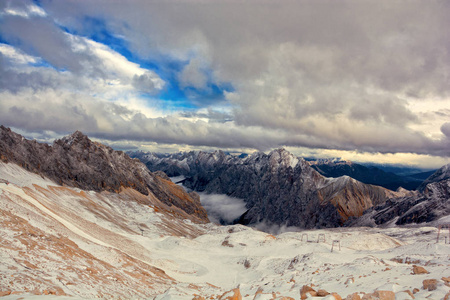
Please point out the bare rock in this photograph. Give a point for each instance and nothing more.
(77, 161)
(353, 296)
(380, 295)
(5, 293)
(430, 284)
(336, 296)
(234, 294)
(350, 280)
(322, 293)
(446, 281)
(419, 270)
(305, 290)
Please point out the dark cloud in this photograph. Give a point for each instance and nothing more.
(304, 73)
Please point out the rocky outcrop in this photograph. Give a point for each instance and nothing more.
(351, 197)
(278, 187)
(77, 161)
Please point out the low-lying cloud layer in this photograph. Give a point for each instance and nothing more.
(222, 209)
(368, 76)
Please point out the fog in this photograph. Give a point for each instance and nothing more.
(221, 208)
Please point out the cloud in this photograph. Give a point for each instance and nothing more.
(193, 75)
(23, 9)
(445, 128)
(222, 209)
(350, 77)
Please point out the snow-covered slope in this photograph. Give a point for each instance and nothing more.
(77, 161)
(66, 241)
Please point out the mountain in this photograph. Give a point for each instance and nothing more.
(430, 204)
(60, 242)
(369, 175)
(76, 161)
(278, 187)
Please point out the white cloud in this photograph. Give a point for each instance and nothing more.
(25, 12)
(222, 207)
(17, 56)
(367, 77)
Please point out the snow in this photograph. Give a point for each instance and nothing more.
(213, 261)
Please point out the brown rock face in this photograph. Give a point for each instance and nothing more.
(234, 294)
(322, 293)
(351, 197)
(379, 295)
(336, 296)
(419, 270)
(430, 284)
(77, 161)
(353, 296)
(305, 290)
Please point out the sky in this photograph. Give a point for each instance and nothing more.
(367, 81)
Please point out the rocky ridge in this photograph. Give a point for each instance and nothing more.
(369, 175)
(429, 205)
(76, 161)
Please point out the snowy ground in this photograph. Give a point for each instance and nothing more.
(65, 241)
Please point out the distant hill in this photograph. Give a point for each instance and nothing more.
(367, 174)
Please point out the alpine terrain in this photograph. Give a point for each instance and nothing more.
(278, 188)
(79, 220)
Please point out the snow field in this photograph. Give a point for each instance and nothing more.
(216, 259)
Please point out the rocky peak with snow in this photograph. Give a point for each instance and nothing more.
(77, 161)
(441, 174)
(429, 204)
(278, 187)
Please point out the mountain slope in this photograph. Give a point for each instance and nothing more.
(278, 187)
(432, 204)
(77, 161)
(369, 175)
(58, 240)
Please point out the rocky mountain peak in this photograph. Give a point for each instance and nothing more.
(442, 174)
(76, 161)
(282, 157)
(76, 138)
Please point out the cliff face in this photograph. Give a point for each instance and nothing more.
(77, 161)
(277, 187)
(351, 197)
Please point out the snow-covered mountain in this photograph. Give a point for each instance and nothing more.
(75, 244)
(278, 188)
(369, 175)
(430, 205)
(76, 161)
(64, 242)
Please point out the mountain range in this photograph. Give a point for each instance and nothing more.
(368, 174)
(80, 220)
(278, 187)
